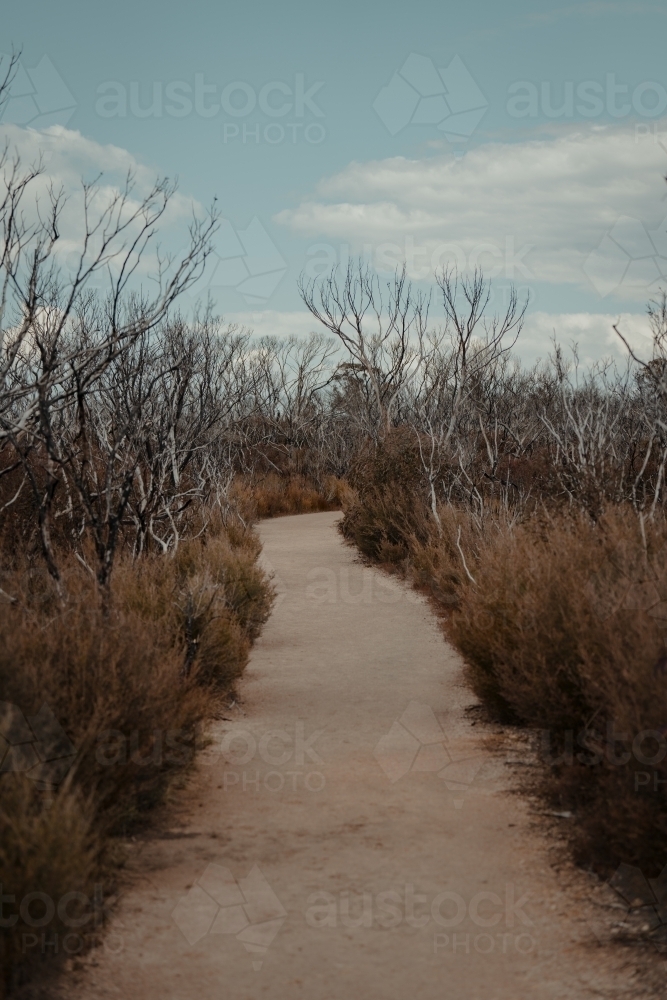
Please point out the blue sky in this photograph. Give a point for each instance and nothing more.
(530, 138)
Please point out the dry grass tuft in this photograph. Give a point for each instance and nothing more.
(277, 495)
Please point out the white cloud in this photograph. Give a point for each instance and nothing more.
(529, 211)
(68, 158)
(593, 333)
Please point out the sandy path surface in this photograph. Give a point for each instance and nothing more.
(350, 834)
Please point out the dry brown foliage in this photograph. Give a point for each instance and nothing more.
(131, 678)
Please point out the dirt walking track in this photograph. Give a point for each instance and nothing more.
(350, 835)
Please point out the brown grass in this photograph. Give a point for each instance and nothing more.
(275, 495)
(564, 631)
(131, 680)
(49, 848)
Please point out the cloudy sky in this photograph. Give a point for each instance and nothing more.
(528, 138)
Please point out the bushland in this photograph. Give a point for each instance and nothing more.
(530, 505)
(130, 589)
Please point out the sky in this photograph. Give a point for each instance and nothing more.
(527, 138)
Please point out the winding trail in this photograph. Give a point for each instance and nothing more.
(353, 831)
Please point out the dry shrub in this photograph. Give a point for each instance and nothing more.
(115, 685)
(244, 586)
(388, 516)
(385, 515)
(564, 631)
(48, 848)
(441, 565)
(212, 597)
(129, 680)
(276, 495)
(565, 616)
(379, 524)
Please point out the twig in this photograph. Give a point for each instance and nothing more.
(463, 558)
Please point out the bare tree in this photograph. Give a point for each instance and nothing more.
(460, 361)
(58, 338)
(382, 330)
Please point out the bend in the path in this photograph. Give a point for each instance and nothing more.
(350, 834)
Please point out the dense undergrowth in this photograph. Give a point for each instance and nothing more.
(116, 690)
(274, 494)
